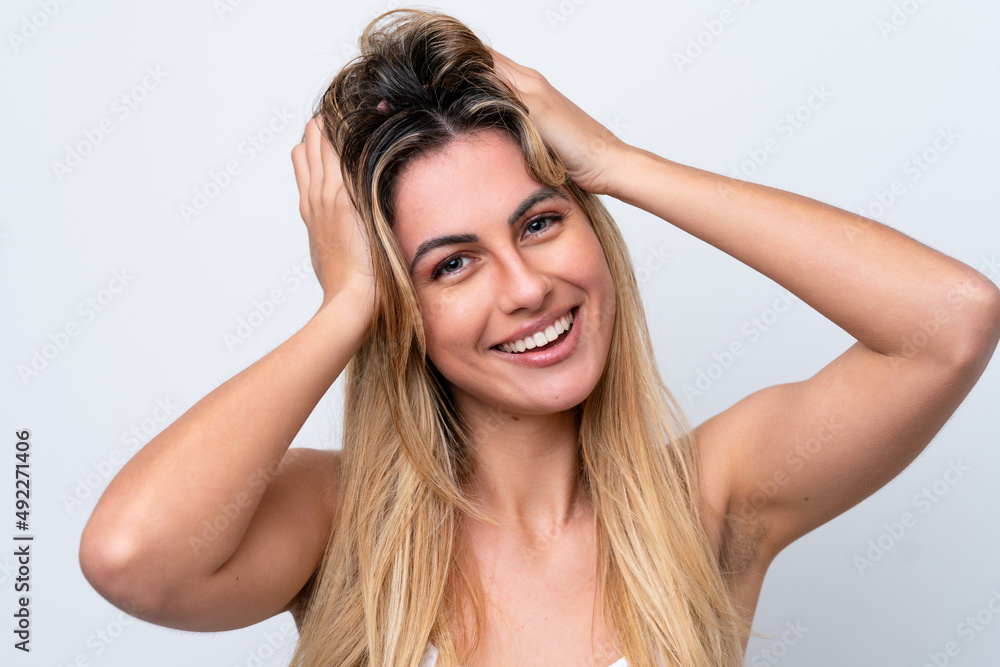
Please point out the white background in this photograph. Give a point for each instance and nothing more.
(226, 74)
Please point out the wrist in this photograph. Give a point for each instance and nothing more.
(348, 308)
(623, 171)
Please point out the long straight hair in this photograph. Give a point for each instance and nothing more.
(395, 563)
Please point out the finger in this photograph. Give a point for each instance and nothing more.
(333, 180)
(314, 160)
(301, 176)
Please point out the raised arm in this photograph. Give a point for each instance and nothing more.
(793, 456)
(215, 524)
(796, 455)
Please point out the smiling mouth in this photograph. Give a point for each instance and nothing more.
(522, 345)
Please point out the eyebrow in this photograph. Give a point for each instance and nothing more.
(541, 194)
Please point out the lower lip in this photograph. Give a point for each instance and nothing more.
(550, 355)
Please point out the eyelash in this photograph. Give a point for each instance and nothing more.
(438, 270)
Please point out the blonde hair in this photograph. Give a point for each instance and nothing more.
(394, 563)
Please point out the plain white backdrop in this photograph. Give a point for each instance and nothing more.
(151, 248)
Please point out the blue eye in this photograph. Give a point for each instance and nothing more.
(440, 268)
(443, 265)
(534, 221)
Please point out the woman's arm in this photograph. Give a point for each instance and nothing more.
(215, 524)
(795, 455)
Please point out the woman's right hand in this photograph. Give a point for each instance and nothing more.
(338, 245)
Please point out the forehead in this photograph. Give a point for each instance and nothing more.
(475, 179)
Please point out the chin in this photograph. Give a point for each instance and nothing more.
(545, 398)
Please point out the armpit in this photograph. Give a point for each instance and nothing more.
(742, 539)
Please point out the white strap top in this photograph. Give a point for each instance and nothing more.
(429, 658)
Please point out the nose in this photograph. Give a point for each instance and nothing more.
(520, 283)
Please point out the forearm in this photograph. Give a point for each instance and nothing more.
(223, 451)
(879, 285)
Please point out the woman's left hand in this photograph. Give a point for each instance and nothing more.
(587, 148)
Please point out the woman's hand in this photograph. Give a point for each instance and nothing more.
(587, 148)
(337, 242)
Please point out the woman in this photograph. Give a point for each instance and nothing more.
(516, 483)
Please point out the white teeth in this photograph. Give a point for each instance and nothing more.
(550, 333)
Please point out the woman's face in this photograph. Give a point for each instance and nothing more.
(497, 257)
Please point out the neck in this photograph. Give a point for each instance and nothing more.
(526, 468)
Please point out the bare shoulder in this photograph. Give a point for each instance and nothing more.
(318, 469)
(316, 473)
(738, 538)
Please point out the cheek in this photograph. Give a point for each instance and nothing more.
(449, 322)
(587, 265)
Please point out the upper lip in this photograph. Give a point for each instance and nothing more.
(531, 327)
